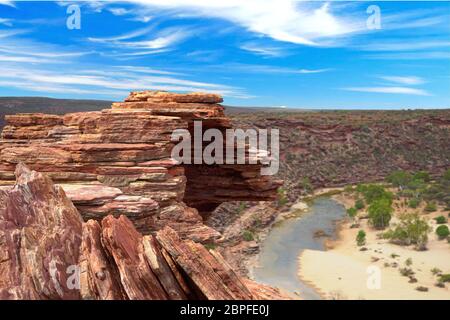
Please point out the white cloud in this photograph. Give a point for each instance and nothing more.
(406, 80)
(445, 55)
(7, 3)
(266, 51)
(393, 90)
(313, 71)
(284, 20)
(119, 11)
(103, 82)
(133, 43)
(6, 22)
(403, 45)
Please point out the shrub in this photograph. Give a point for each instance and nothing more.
(210, 246)
(430, 207)
(361, 238)
(359, 204)
(444, 277)
(373, 192)
(413, 203)
(282, 199)
(380, 213)
(351, 212)
(399, 178)
(441, 220)
(442, 232)
(408, 262)
(247, 235)
(306, 185)
(436, 271)
(406, 272)
(412, 229)
(348, 189)
(421, 175)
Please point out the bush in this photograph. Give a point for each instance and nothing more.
(306, 185)
(361, 238)
(282, 199)
(412, 229)
(406, 272)
(351, 212)
(247, 235)
(380, 213)
(413, 203)
(441, 220)
(430, 207)
(373, 192)
(421, 175)
(442, 232)
(444, 277)
(359, 204)
(399, 178)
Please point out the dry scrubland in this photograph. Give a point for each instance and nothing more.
(412, 256)
(331, 149)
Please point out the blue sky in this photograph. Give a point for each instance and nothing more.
(283, 53)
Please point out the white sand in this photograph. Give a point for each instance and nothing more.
(342, 271)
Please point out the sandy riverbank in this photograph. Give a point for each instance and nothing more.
(345, 272)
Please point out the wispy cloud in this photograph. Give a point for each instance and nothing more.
(6, 22)
(266, 51)
(137, 43)
(114, 83)
(405, 80)
(426, 55)
(284, 20)
(306, 71)
(392, 90)
(404, 45)
(7, 3)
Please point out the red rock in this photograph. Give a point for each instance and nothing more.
(40, 232)
(126, 150)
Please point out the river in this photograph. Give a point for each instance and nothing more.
(278, 259)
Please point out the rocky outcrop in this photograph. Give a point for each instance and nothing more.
(40, 237)
(118, 161)
(47, 252)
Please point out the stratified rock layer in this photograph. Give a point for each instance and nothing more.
(118, 161)
(47, 252)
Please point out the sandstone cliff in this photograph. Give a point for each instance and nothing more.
(118, 162)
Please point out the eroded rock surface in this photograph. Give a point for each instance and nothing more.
(47, 252)
(118, 161)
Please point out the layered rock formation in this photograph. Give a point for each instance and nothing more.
(47, 252)
(118, 161)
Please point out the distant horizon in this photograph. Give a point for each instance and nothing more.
(281, 108)
(348, 54)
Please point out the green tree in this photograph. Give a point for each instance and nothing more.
(430, 207)
(421, 175)
(441, 220)
(399, 178)
(380, 213)
(361, 238)
(375, 192)
(414, 203)
(442, 232)
(359, 204)
(412, 229)
(352, 212)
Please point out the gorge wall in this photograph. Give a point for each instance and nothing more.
(337, 148)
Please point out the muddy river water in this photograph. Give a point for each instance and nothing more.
(278, 259)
